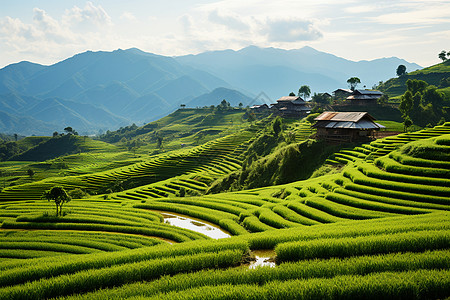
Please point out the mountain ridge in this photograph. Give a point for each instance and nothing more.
(135, 86)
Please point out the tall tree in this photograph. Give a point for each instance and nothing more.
(353, 82)
(304, 91)
(443, 55)
(407, 122)
(406, 103)
(401, 70)
(415, 85)
(59, 195)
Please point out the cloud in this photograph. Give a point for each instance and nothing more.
(46, 39)
(415, 13)
(90, 13)
(127, 16)
(49, 27)
(233, 22)
(291, 31)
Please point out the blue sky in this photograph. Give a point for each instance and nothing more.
(47, 31)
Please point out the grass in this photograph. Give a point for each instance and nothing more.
(379, 224)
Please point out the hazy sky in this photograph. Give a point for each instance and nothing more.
(47, 31)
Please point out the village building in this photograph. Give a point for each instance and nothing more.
(291, 107)
(342, 127)
(364, 97)
(260, 107)
(342, 93)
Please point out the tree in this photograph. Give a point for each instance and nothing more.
(277, 126)
(292, 94)
(407, 123)
(55, 134)
(241, 105)
(224, 105)
(443, 55)
(159, 141)
(59, 195)
(30, 173)
(401, 70)
(415, 85)
(406, 103)
(15, 136)
(182, 105)
(353, 82)
(304, 91)
(68, 130)
(321, 98)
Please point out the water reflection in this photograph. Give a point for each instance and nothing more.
(263, 258)
(186, 222)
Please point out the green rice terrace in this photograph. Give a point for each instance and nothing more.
(159, 220)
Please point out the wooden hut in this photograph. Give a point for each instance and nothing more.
(364, 97)
(291, 106)
(342, 127)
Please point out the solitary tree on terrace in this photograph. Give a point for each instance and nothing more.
(59, 195)
(353, 82)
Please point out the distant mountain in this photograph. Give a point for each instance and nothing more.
(278, 72)
(216, 96)
(100, 90)
(105, 90)
(25, 125)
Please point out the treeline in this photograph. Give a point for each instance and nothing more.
(422, 104)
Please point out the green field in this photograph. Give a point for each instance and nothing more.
(375, 227)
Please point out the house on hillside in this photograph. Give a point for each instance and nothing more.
(260, 108)
(291, 106)
(342, 127)
(364, 97)
(341, 94)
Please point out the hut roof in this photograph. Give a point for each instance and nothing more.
(351, 120)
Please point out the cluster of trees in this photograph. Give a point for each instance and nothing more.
(9, 149)
(444, 55)
(422, 104)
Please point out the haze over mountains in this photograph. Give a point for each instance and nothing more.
(94, 91)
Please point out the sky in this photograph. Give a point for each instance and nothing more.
(47, 31)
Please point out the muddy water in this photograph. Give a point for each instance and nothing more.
(197, 225)
(262, 258)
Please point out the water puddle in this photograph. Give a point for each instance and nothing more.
(262, 258)
(187, 222)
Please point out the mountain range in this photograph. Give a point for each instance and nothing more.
(95, 91)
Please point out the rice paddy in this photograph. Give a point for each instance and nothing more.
(379, 228)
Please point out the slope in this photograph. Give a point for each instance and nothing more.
(379, 228)
(433, 75)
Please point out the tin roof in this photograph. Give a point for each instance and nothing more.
(293, 99)
(368, 92)
(350, 120)
(343, 116)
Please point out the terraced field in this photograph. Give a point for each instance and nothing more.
(379, 229)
